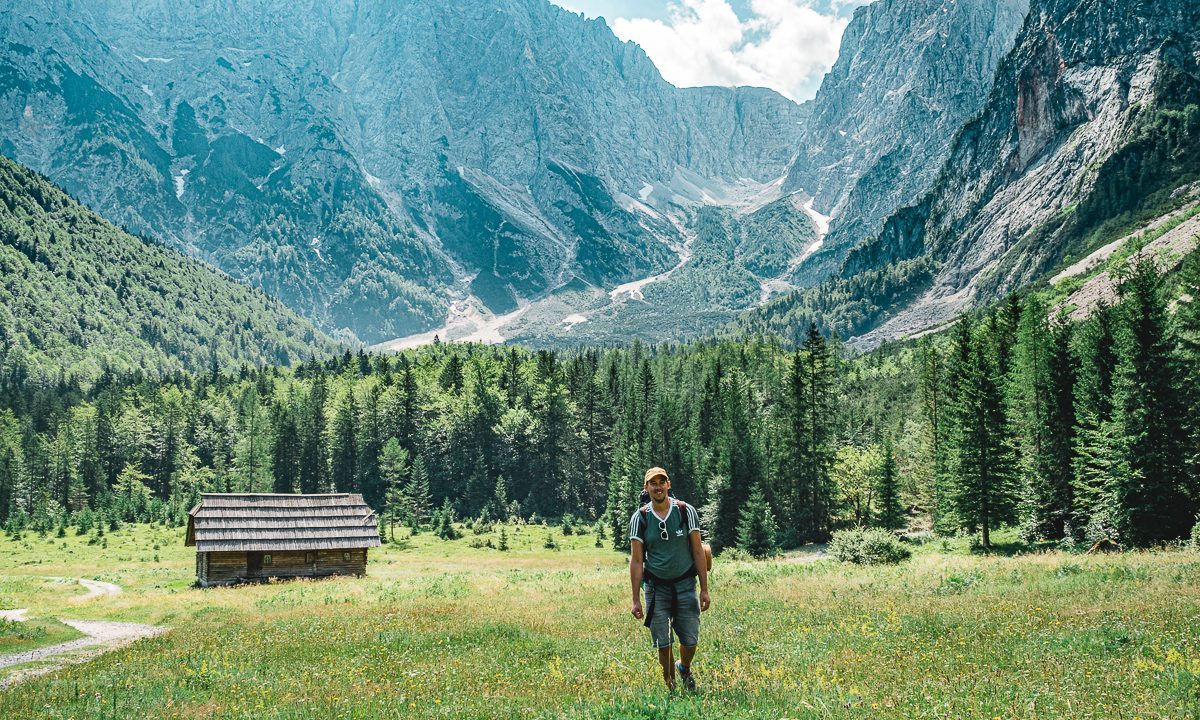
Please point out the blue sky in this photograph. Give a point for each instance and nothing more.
(786, 45)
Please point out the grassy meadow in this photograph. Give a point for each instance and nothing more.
(444, 629)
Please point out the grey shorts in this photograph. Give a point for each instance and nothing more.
(677, 611)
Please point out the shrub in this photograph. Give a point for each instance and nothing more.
(958, 583)
(867, 546)
(1195, 537)
(1068, 569)
(550, 544)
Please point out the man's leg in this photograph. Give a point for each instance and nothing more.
(666, 658)
(686, 654)
(687, 627)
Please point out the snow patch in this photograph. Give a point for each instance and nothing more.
(146, 89)
(822, 221)
(282, 149)
(154, 59)
(634, 207)
(180, 182)
(812, 248)
(315, 244)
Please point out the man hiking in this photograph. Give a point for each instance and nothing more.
(667, 557)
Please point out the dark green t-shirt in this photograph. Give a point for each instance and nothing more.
(670, 558)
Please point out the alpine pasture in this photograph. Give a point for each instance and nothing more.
(457, 629)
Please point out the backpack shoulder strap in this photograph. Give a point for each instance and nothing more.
(686, 512)
(642, 525)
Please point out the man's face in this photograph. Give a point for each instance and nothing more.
(658, 486)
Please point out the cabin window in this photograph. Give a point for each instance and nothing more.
(346, 555)
(266, 558)
(310, 557)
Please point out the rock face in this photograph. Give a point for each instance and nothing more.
(909, 74)
(1095, 114)
(368, 160)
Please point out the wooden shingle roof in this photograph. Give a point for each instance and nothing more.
(263, 522)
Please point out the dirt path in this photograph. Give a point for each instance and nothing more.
(100, 636)
(97, 632)
(96, 588)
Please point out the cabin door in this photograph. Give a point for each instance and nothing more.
(253, 564)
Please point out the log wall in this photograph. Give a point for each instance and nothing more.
(219, 568)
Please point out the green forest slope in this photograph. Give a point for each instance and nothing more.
(78, 295)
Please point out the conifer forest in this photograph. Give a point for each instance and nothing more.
(1080, 432)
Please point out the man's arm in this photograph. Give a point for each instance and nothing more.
(635, 575)
(701, 566)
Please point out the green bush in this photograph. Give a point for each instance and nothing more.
(867, 546)
(958, 583)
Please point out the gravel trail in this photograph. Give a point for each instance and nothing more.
(100, 636)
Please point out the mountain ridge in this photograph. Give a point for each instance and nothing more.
(522, 146)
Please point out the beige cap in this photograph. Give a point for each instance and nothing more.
(655, 471)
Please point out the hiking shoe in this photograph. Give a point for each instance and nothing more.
(686, 677)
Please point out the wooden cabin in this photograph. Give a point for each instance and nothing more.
(250, 536)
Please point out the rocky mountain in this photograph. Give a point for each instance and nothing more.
(909, 74)
(80, 297)
(370, 162)
(1092, 129)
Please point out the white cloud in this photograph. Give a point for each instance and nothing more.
(782, 44)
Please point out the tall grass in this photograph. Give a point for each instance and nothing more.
(440, 629)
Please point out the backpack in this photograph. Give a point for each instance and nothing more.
(680, 506)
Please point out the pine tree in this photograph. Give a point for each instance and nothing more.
(985, 493)
(444, 522)
(369, 479)
(500, 505)
(285, 449)
(393, 466)
(891, 512)
(1154, 497)
(756, 529)
(313, 475)
(252, 454)
(419, 499)
(739, 462)
(451, 378)
(344, 444)
(11, 463)
(1043, 401)
(1097, 462)
(933, 405)
(409, 408)
(1188, 319)
(796, 473)
(820, 382)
